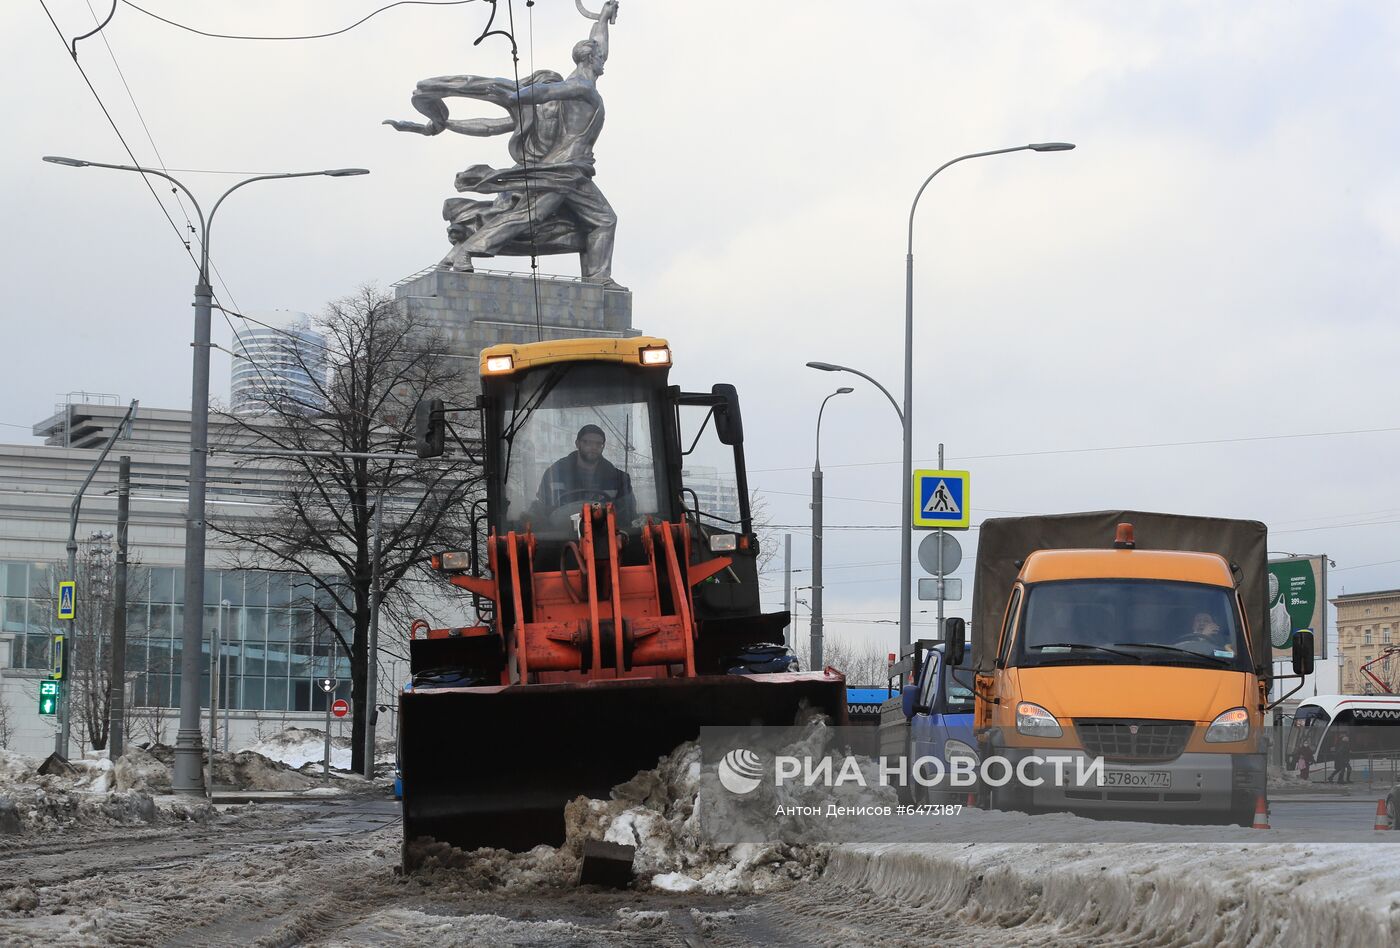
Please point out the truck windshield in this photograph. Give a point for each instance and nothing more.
(1119, 621)
(575, 434)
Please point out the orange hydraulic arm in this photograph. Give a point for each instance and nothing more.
(593, 613)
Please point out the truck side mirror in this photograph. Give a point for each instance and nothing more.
(955, 640)
(1303, 652)
(429, 428)
(729, 424)
(910, 696)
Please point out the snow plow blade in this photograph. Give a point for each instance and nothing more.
(495, 766)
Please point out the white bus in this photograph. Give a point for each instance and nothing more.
(1372, 722)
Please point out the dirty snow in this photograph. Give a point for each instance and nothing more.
(1176, 893)
(298, 746)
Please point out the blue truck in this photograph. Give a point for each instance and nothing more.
(929, 712)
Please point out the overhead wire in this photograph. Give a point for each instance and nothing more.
(1117, 447)
(309, 36)
(120, 137)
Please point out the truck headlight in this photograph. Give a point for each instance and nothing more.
(1229, 726)
(1033, 720)
(953, 748)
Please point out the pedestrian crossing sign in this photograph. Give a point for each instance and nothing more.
(66, 590)
(941, 499)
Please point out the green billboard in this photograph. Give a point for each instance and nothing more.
(1297, 600)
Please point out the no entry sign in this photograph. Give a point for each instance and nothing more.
(341, 708)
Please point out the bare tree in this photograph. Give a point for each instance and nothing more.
(380, 360)
(864, 663)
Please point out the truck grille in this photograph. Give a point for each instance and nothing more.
(1114, 739)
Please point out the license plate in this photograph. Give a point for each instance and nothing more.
(1136, 778)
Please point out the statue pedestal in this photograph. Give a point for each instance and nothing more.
(474, 310)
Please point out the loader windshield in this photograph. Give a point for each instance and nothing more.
(579, 433)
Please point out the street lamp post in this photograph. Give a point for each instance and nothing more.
(816, 547)
(817, 535)
(187, 777)
(906, 488)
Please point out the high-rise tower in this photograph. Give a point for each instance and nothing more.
(277, 361)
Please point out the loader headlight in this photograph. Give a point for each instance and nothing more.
(656, 355)
(1228, 727)
(499, 363)
(1035, 721)
(723, 543)
(456, 562)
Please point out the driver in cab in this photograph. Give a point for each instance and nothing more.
(1207, 638)
(585, 476)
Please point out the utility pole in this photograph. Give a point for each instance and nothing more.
(940, 556)
(817, 656)
(787, 574)
(372, 661)
(116, 684)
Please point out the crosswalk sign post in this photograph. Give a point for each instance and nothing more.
(49, 692)
(942, 499)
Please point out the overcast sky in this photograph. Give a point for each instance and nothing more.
(1215, 262)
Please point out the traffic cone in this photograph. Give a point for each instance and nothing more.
(1382, 816)
(1261, 814)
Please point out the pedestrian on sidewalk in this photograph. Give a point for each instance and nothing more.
(1342, 759)
(1305, 759)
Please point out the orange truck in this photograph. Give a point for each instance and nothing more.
(1140, 639)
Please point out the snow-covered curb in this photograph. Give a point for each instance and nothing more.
(1182, 894)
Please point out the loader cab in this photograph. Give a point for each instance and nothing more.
(569, 432)
(581, 421)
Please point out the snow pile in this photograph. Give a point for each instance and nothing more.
(298, 746)
(139, 769)
(1339, 894)
(38, 809)
(93, 772)
(248, 770)
(16, 768)
(690, 834)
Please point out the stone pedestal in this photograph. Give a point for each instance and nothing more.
(476, 310)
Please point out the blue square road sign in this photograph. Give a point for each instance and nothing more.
(942, 499)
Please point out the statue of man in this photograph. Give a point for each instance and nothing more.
(547, 202)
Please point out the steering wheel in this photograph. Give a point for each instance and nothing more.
(581, 495)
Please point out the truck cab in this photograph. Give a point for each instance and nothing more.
(1140, 657)
(933, 717)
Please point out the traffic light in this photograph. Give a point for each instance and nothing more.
(48, 697)
(56, 670)
(429, 428)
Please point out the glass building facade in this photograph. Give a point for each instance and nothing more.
(274, 644)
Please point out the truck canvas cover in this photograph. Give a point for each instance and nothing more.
(1004, 543)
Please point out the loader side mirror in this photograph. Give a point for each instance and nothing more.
(729, 424)
(1303, 652)
(955, 640)
(429, 428)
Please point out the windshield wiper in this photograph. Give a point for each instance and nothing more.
(1172, 648)
(1097, 648)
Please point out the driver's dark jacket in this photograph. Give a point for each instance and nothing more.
(566, 475)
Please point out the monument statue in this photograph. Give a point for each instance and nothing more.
(546, 203)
